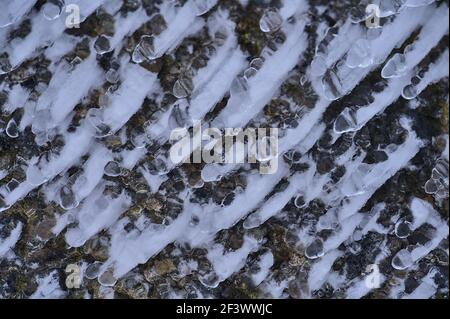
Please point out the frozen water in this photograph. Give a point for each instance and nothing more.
(270, 21)
(402, 260)
(360, 54)
(145, 50)
(52, 9)
(346, 121)
(315, 249)
(102, 45)
(395, 67)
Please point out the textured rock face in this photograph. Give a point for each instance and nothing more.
(92, 206)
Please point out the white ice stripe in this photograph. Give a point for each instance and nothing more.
(130, 249)
(128, 99)
(127, 25)
(430, 35)
(382, 100)
(306, 127)
(77, 145)
(12, 12)
(68, 88)
(11, 240)
(381, 172)
(407, 22)
(225, 264)
(291, 7)
(218, 85)
(437, 71)
(426, 289)
(125, 102)
(185, 23)
(92, 171)
(347, 34)
(424, 212)
(298, 182)
(96, 213)
(217, 62)
(215, 218)
(262, 87)
(45, 32)
(321, 268)
(265, 263)
(306, 144)
(49, 287)
(127, 250)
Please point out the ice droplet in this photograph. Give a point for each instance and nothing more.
(112, 169)
(270, 21)
(359, 54)
(315, 249)
(112, 76)
(431, 186)
(409, 92)
(107, 279)
(403, 229)
(355, 184)
(34, 176)
(402, 260)
(183, 87)
(12, 130)
(102, 45)
(299, 201)
(203, 6)
(145, 50)
(332, 86)
(395, 67)
(93, 270)
(95, 118)
(252, 221)
(52, 9)
(67, 199)
(346, 121)
(318, 66)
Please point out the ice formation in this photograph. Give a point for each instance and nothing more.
(85, 121)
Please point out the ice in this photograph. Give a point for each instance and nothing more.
(93, 270)
(67, 198)
(395, 67)
(12, 12)
(102, 44)
(11, 240)
(270, 21)
(265, 262)
(360, 54)
(402, 260)
(12, 130)
(96, 119)
(113, 169)
(107, 279)
(346, 121)
(203, 6)
(52, 9)
(5, 65)
(356, 184)
(145, 51)
(48, 287)
(418, 3)
(315, 249)
(183, 87)
(403, 229)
